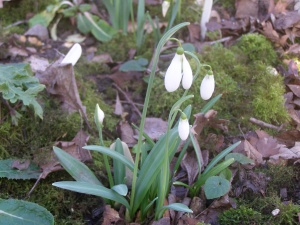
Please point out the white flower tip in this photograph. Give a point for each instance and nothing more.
(275, 212)
(207, 87)
(165, 7)
(183, 129)
(73, 55)
(99, 114)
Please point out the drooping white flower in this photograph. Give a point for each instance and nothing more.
(207, 87)
(165, 6)
(99, 116)
(187, 78)
(183, 128)
(174, 74)
(73, 55)
(178, 70)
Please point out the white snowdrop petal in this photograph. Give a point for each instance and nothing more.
(173, 74)
(205, 16)
(100, 114)
(187, 78)
(207, 87)
(165, 6)
(183, 129)
(73, 55)
(275, 212)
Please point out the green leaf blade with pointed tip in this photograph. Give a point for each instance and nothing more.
(78, 170)
(92, 189)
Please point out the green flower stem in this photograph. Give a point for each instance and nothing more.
(106, 163)
(161, 43)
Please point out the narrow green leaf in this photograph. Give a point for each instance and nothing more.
(216, 187)
(113, 154)
(210, 103)
(152, 165)
(212, 172)
(242, 159)
(119, 167)
(220, 156)
(92, 189)
(78, 170)
(178, 207)
(84, 7)
(83, 24)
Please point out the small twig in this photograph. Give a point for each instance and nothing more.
(35, 184)
(137, 104)
(220, 40)
(266, 125)
(128, 99)
(15, 24)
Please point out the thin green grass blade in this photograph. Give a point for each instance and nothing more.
(210, 104)
(220, 156)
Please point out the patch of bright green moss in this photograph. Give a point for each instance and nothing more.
(241, 215)
(288, 211)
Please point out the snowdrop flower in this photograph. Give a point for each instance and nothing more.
(178, 70)
(207, 87)
(183, 127)
(165, 6)
(99, 116)
(73, 55)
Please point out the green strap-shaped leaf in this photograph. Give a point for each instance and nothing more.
(92, 189)
(113, 154)
(121, 189)
(78, 170)
(14, 212)
(119, 167)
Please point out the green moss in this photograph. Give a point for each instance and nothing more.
(14, 11)
(241, 215)
(280, 177)
(258, 48)
(287, 215)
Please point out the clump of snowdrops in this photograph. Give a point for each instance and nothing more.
(141, 185)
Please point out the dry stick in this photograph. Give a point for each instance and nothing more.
(128, 99)
(264, 124)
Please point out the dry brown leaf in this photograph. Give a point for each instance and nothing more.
(110, 216)
(48, 161)
(155, 127)
(267, 146)
(103, 58)
(281, 5)
(190, 165)
(39, 31)
(118, 106)
(295, 89)
(60, 81)
(286, 154)
(252, 153)
(127, 133)
(246, 8)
